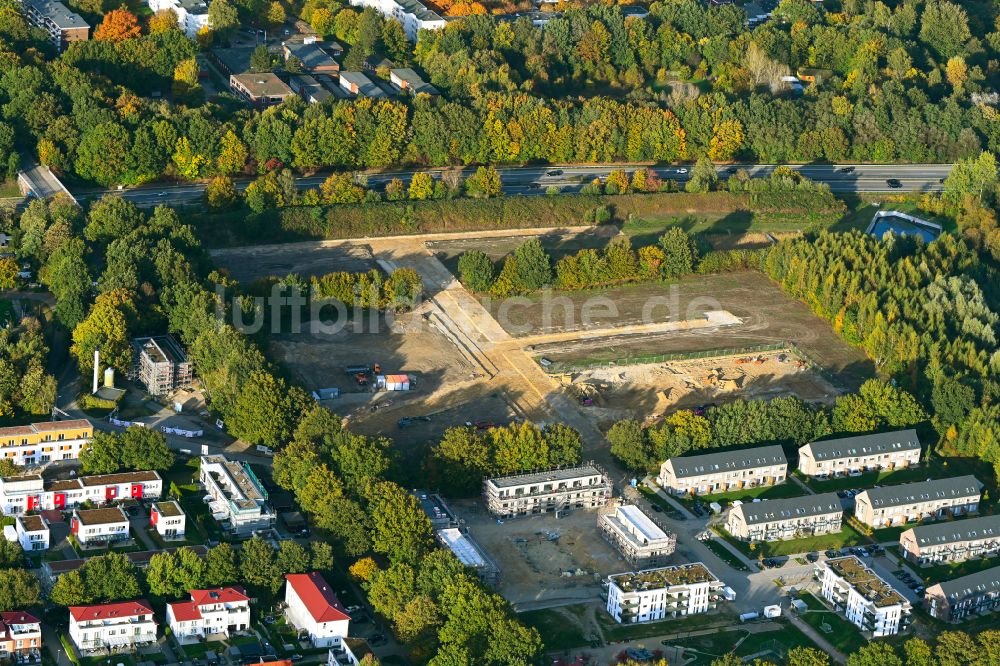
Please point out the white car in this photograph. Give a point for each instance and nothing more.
(682, 170)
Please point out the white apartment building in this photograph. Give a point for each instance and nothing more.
(792, 518)
(21, 494)
(952, 541)
(867, 601)
(220, 611)
(32, 533)
(99, 526)
(925, 500)
(313, 607)
(192, 15)
(413, 15)
(956, 600)
(554, 490)
(168, 519)
(121, 626)
(20, 637)
(640, 541)
(724, 471)
(655, 594)
(239, 499)
(39, 443)
(860, 453)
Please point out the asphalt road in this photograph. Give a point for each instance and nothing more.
(534, 180)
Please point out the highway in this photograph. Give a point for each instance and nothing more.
(535, 180)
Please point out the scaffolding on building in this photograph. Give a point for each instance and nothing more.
(159, 364)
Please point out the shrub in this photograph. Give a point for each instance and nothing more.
(475, 270)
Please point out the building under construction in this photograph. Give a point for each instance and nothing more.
(548, 491)
(159, 364)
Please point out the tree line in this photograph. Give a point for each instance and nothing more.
(878, 405)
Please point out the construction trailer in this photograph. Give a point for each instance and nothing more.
(160, 364)
(394, 382)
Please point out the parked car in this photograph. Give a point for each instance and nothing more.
(657, 508)
(812, 557)
(377, 639)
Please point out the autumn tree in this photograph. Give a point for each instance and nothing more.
(117, 26)
(163, 20)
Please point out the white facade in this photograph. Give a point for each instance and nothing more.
(414, 16)
(791, 518)
(169, 520)
(219, 611)
(313, 608)
(655, 594)
(924, 500)
(862, 597)
(861, 453)
(724, 471)
(118, 626)
(192, 15)
(99, 526)
(238, 497)
(22, 494)
(640, 541)
(32, 533)
(585, 487)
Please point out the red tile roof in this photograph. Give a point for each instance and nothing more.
(222, 595)
(283, 662)
(18, 617)
(185, 611)
(107, 611)
(317, 596)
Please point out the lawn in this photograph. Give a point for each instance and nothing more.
(847, 536)
(646, 229)
(654, 497)
(778, 642)
(835, 628)
(9, 189)
(725, 555)
(871, 479)
(558, 633)
(939, 572)
(198, 650)
(780, 491)
(626, 632)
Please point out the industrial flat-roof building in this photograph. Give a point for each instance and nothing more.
(312, 56)
(792, 518)
(655, 594)
(925, 500)
(952, 541)
(159, 364)
(640, 541)
(470, 553)
(724, 471)
(261, 89)
(867, 601)
(586, 486)
(860, 453)
(959, 599)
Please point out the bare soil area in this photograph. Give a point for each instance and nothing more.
(542, 557)
(653, 389)
(247, 264)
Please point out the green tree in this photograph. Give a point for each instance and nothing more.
(320, 556)
(102, 454)
(680, 254)
(260, 59)
(145, 449)
(220, 566)
(258, 567)
(875, 654)
(945, 28)
(534, 266)
(630, 445)
(918, 653)
(484, 183)
(18, 590)
(292, 558)
(162, 576)
(111, 217)
(265, 411)
(806, 656)
(220, 193)
(400, 528)
(223, 17)
(475, 270)
(703, 177)
(974, 177)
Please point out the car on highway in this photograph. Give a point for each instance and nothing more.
(554, 172)
(533, 186)
(894, 183)
(731, 169)
(847, 169)
(682, 170)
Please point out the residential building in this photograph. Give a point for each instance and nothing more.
(99, 526)
(437, 511)
(924, 500)
(220, 611)
(62, 25)
(792, 518)
(860, 453)
(168, 519)
(469, 553)
(969, 596)
(192, 15)
(23, 494)
(655, 594)
(53, 570)
(358, 84)
(121, 626)
(32, 533)
(642, 542)
(233, 59)
(413, 15)
(867, 601)
(159, 364)
(313, 609)
(952, 541)
(310, 89)
(20, 637)
(724, 471)
(314, 59)
(554, 490)
(261, 89)
(238, 497)
(410, 82)
(341, 656)
(39, 443)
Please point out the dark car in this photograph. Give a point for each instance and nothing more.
(377, 639)
(554, 172)
(731, 169)
(812, 557)
(894, 183)
(848, 169)
(831, 553)
(657, 508)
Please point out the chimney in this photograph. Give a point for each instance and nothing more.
(97, 365)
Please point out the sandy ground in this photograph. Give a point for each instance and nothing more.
(653, 389)
(542, 557)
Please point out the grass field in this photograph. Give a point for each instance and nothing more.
(939, 572)
(709, 646)
(780, 491)
(836, 629)
(9, 188)
(557, 631)
(725, 555)
(626, 632)
(847, 536)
